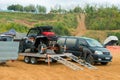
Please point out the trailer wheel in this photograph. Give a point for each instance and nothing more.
(33, 60)
(26, 59)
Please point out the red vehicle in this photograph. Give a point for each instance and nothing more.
(37, 37)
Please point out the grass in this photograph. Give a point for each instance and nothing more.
(60, 21)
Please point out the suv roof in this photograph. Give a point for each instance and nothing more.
(75, 37)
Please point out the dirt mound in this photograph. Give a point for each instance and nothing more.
(19, 70)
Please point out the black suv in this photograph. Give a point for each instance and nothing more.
(85, 48)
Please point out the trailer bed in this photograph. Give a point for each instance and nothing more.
(43, 55)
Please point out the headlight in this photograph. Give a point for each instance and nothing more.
(98, 52)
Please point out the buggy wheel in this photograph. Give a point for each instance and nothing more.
(26, 59)
(41, 48)
(33, 60)
(22, 46)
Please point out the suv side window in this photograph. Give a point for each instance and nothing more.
(82, 42)
(70, 42)
(61, 41)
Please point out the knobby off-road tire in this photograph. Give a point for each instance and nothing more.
(22, 46)
(40, 46)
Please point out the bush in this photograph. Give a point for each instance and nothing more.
(18, 27)
(103, 18)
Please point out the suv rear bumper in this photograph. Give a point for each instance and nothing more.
(102, 58)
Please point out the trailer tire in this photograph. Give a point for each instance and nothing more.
(26, 59)
(33, 60)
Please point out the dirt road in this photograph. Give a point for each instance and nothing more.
(81, 28)
(19, 70)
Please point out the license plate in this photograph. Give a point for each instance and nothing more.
(107, 58)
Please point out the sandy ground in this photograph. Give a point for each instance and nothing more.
(19, 70)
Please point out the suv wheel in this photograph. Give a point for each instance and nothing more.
(40, 46)
(104, 63)
(90, 59)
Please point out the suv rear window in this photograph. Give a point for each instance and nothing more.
(61, 41)
(70, 42)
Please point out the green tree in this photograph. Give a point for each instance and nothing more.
(41, 9)
(16, 7)
(11, 7)
(53, 10)
(30, 8)
(102, 18)
(77, 9)
(58, 10)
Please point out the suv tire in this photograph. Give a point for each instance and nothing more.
(104, 63)
(90, 59)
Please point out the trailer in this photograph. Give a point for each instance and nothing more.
(34, 57)
(51, 56)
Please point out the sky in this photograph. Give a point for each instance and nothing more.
(67, 4)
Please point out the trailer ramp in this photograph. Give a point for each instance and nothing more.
(8, 50)
(81, 62)
(65, 62)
